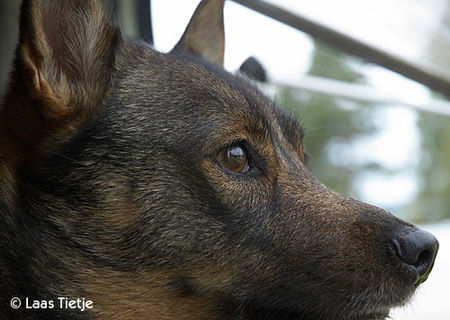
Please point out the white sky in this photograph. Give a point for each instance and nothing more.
(247, 34)
(403, 27)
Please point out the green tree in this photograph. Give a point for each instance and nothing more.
(330, 122)
(334, 125)
(433, 200)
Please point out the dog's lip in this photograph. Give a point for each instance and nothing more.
(376, 306)
(382, 313)
(292, 314)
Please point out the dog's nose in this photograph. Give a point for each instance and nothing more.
(416, 248)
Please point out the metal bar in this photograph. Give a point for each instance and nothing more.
(361, 93)
(143, 8)
(431, 78)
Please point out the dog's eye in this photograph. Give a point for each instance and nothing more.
(234, 159)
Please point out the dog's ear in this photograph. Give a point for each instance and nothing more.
(65, 56)
(204, 36)
(63, 71)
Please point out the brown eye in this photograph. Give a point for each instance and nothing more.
(234, 159)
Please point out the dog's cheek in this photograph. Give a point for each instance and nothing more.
(240, 193)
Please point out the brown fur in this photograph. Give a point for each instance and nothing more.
(117, 296)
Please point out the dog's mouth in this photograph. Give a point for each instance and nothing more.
(286, 314)
(264, 313)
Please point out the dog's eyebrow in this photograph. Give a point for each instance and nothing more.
(290, 127)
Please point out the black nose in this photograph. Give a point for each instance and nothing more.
(417, 249)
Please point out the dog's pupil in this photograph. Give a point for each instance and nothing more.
(236, 154)
(234, 159)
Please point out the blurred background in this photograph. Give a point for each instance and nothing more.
(369, 80)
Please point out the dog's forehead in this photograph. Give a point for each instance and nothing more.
(170, 88)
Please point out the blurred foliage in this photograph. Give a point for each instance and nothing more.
(333, 126)
(329, 121)
(433, 200)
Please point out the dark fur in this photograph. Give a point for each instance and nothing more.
(111, 190)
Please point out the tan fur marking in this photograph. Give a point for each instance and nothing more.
(117, 296)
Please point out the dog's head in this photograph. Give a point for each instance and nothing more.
(162, 186)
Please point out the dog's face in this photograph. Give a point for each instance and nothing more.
(177, 190)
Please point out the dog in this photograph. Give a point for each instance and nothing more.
(142, 185)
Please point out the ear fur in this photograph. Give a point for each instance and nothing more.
(204, 36)
(63, 71)
(67, 50)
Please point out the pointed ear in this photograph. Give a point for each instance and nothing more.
(204, 36)
(66, 54)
